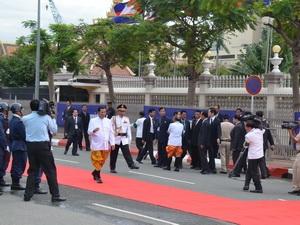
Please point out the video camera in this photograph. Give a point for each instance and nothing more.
(46, 107)
(257, 122)
(289, 125)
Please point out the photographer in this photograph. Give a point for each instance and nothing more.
(254, 142)
(296, 174)
(38, 148)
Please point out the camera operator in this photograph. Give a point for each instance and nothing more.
(254, 142)
(296, 174)
(39, 149)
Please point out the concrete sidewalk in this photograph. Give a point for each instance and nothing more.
(278, 168)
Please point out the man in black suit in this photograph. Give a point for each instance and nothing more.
(186, 135)
(204, 142)
(85, 116)
(196, 125)
(215, 135)
(67, 112)
(237, 136)
(74, 127)
(218, 114)
(162, 137)
(110, 111)
(149, 135)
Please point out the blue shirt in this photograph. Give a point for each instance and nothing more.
(37, 127)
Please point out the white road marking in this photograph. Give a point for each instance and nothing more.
(63, 160)
(135, 214)
(165, 178)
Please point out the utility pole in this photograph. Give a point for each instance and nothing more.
(37, 62)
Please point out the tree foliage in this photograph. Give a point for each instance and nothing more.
(192, 27)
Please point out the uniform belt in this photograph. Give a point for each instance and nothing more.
(226, 140)
(122, 134)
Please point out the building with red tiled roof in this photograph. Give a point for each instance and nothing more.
(7, 48)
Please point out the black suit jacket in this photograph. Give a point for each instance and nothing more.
(67, 113)
(70, 127)
(163, 126)
(215, 130)
(85, 120)
(237, 136)
(267, 136)
(195, 132)
(146, 129)
(204, 133)
(186, 137)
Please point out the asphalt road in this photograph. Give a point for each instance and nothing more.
(87, 207)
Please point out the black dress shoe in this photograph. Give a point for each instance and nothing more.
(263, 176)
(17, 187)
(204, 172)
(57, 199)
(26, 199)
(3, 183)
(176, 169)
(94, 173)
(1, 193)
(65, 152)
(223, 172)
(246, 188)
(75, 154)
(214, 171)
(156, 165)
(113, 171)
(80, 149)
(134, 167)
(193, 167)
(166, 168)
(197, 168)
(99, 180)
(234, 175)
(40, 191)
(140, 162)
(294, 192)
(88, 149)
(256, 191)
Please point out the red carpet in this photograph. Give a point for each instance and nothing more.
(235, 211)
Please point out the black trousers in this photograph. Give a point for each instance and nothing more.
(263, 166)
(86, 139)
(73, 138)
(114, 155)
(148, 147)
(139, 145)
(196, 162)
(211, 156)
(242, 163)
(39, 155)
(18, 165)
(203, 157)
(162, 154)
(252, 173)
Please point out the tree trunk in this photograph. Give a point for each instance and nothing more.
(191, 92)
(51, 84)
(112, 97)
(294, 71)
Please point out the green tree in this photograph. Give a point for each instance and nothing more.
(18, 70)
(110, 44)
(192, 27)
(285, 15)
(55, 49)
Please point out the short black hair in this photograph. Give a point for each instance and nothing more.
(226, 117)
(83, 105)
(175, 113)
(239, 109)
(100, 107)
(161, 108)
(213, 110)
(109, 103)
(198, 111)
(34, 105)
(259, 114)
(238, 117)
(141, 113)
(204, 113)
(183, 111)
(151, 110)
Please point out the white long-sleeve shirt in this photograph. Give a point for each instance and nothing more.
(139, 127)
(256, 143)
(104, 137)
(121, 125)
(175, 130)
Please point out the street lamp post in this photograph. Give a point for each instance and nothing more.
(37, 62)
